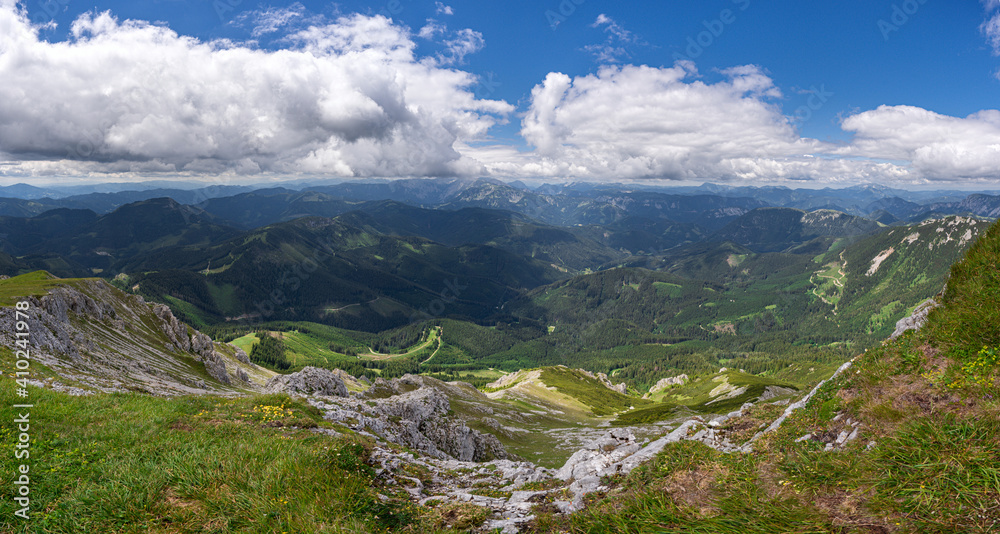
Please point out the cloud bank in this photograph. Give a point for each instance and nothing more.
(633, 122)
(348, 98)
(352, 98)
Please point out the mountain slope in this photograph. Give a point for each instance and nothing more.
(566, 248)
(782, 229)
(86, 243)
(905, 441)
(84, 332)
(262, 207)
(326, 271)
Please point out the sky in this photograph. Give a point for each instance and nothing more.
(902, 93)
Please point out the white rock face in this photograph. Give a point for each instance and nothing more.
(308, 381)
(664, 383)
(414, 412)
(915, 321)
(599, 455)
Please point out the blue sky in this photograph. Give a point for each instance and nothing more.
(896, 92)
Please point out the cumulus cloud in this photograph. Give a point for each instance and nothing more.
(643, 122)
(347, 98)
(633, 122)
(352, 97)
(937, 147)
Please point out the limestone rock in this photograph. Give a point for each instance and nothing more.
(241, 356)
(916, 320)
(175, 330)
(216, 367)
(620, 388)
(308, 381)
(664, 383)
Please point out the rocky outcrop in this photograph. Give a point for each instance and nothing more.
(664, 383)
(308, 381)
(604, 380)
(413, 411)
(175, 330)
(48, 333)
(62, 300)
(241, 356)
(453, 481)
(916, 320)
(95, 335)
(202, 344)
(216, 367)
(599, 455)
(620, 388)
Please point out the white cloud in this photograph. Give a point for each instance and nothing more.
(456, 45)
(347, 98)
(937, 147)
(353, 98)
(634, 122)
(612, 27)
(642, 122)
(464, 43)
(991, 28)
(442, 9)
(432, 29)
(615, 46)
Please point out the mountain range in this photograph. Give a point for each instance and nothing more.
(720, 385)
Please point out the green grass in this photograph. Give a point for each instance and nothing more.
(246, 342)
(304, 349)
(34, 284)
(696, 396)
(601, 400)
(653, 414)
(691, 488)
(942, 473)
(133, 463)
(970, 319)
